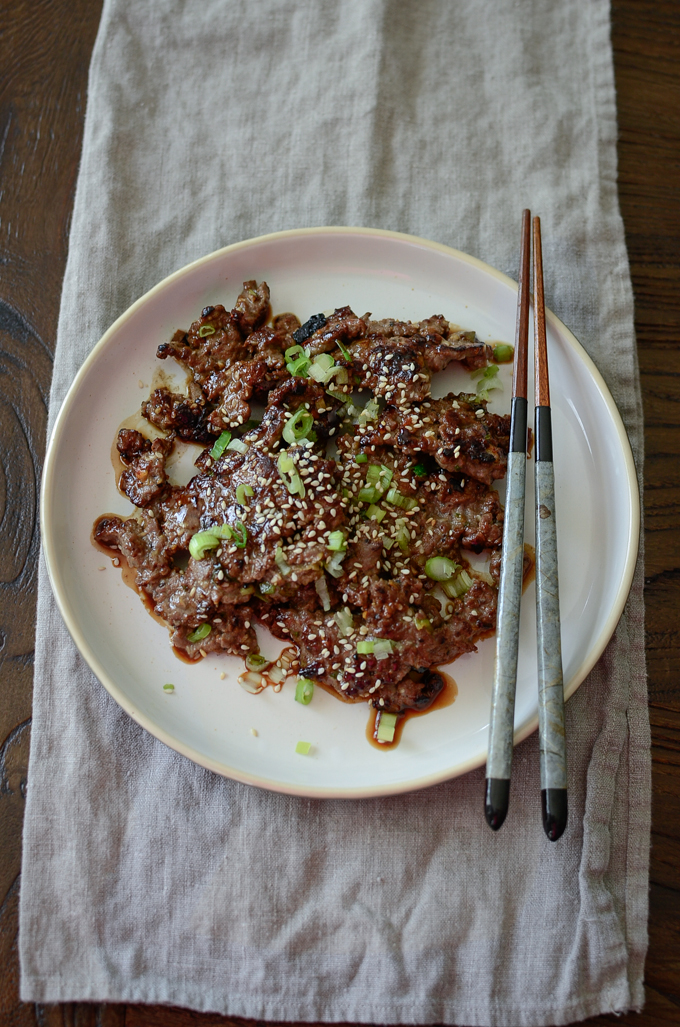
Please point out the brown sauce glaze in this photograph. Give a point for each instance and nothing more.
(445, 698)
(128, 574)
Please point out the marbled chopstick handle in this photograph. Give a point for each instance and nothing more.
(552, 742)
(502, 723)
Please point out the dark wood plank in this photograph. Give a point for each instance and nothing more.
(44, 52)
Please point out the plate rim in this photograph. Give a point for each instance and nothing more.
(48, 543)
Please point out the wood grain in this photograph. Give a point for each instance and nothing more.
(45, 47)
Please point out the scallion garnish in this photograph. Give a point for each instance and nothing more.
(503, 353)
(323, 593)
(290, 476)
(334, 565)
(361, 458)
(293, 351)
(404, 502)
(382, 648)
(303, 748)
(202, 631)
(489, 380)
(423, 622)
(336, 541)
(241, 492)
(298, 427)
(239, 541)
(168, 688)
(238, 446)
(206, 330)
(304, 690)
(420, 470)
(200, 542)
(299, 366)
(255, 661)
(365, 647)
(343, 618)
(369, 494)
(402, 535)
(370, 411)
(461, 584)
(221, 444)
(281, 562)
(387, 723)
(440, 568)
(376, 513)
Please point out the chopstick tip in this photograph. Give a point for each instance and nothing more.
(496, 800)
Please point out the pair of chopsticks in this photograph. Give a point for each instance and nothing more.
(550, 686)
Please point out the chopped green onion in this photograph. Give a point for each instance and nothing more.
(334, 565)
(503, 353)
(303, 748)
(293, 351)
(369, 494)
(221, 530)
(220, 446)
(201, 541)
(376, 513)
(339, 373)
(324, 360)
(361, 458)
(298, 426)
(387, 543)
(206, 330)
(240, 542)
(370, 411)
(440, 568)
(395, 497)
(265, 587)
(461, 584)
(238, 446)
(304, 690)
(323, 593)
(420, 470)
(336, 395)
(255, 661)
(286, 466)
(281, 561)
(202, 631)
(387, 723)
(403, 535)
(373, 474)
(336, 541)
(168, 688)
(345, 352)
(241, 492)
(489, 380)
(365, 647)
(423, 622)
(382, 647)
(343, 618)
(300, 366)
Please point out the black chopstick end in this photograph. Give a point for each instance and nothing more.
(554, 804)
(496, 801)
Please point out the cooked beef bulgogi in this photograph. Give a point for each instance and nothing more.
(342, 528)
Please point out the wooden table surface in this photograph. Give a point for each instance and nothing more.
(45, 48)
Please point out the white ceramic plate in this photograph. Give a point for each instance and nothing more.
(209, 719)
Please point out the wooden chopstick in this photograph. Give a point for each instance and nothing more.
(501, 727)
(550, 686)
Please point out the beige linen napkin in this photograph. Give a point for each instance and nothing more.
(148, 879)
